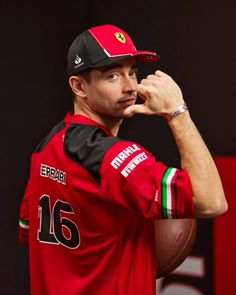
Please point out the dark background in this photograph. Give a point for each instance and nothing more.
(196, 42)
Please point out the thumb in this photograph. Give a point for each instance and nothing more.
(135, 109)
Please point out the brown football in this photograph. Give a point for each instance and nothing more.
(174, 241)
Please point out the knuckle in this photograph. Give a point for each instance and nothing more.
(142, 81)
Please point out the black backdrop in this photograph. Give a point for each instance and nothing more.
(196, 42)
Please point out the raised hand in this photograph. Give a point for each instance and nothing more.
(160, 93)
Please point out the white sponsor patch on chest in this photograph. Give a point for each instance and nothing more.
(53, 173)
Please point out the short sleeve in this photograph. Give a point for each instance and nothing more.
(133, 179)
(24, 217)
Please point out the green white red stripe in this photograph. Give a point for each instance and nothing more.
(168, 193)
(23, 224)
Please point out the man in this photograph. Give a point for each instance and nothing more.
(91, 198)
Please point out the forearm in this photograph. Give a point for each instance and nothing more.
(161, 96)
(208, 193)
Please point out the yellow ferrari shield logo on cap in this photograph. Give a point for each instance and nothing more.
(120, 37)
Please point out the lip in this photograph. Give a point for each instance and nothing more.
(127, 102)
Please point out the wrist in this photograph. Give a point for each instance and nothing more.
(181, 123)
(180, 109)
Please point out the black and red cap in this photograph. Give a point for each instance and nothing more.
(102, 46)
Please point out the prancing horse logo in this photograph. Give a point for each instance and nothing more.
(120, 37)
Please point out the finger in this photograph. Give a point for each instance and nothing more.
(143, 90)
(135, 109)
(151, 77)
(145, 82)
(148, 79)
(160, 74)
(148, 82)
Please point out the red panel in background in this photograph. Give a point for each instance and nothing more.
(224, 231)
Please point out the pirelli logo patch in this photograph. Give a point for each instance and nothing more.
(126, 154)
(133, 164)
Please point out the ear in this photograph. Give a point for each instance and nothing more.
(77, 85)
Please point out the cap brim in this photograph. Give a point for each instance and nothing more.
(141, 56)
(146, 56)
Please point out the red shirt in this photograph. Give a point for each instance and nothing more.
(88, 211)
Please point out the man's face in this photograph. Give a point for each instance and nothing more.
(112, 89)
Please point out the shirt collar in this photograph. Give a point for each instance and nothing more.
(78, 118)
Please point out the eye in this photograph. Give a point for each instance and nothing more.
(134, 73)
(113, 76)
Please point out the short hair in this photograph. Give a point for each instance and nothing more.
(85, 75)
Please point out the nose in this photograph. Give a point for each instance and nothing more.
(130, 84)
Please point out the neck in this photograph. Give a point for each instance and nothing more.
(113, 124)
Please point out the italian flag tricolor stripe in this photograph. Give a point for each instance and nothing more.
(23, 224)
(168, 193)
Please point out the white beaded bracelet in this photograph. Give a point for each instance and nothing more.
(179, 110)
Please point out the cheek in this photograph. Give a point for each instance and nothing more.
(106, 94)
(99, 100)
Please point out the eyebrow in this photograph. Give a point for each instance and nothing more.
(117, 66)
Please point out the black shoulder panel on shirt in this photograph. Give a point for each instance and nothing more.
(46, 139)
(87, 144)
